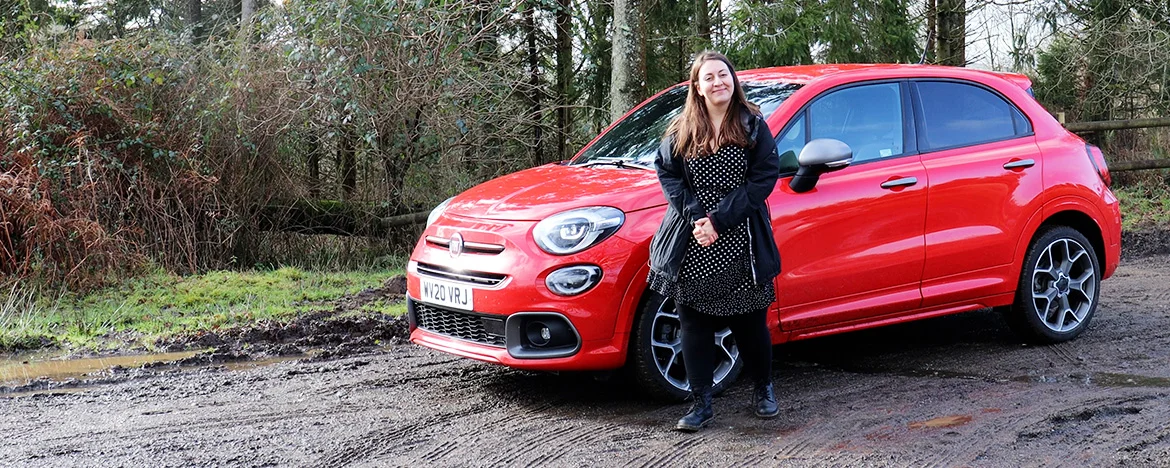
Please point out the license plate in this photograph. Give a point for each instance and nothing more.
(442, 293)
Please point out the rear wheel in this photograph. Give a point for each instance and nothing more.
(656, 360)
(1059, 287)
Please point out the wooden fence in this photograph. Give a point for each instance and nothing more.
(1106, 125)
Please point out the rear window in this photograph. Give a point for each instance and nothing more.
(636, 138)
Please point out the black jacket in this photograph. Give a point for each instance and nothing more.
(746, 202)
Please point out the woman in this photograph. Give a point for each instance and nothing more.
(714, 253)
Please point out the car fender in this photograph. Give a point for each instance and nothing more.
(1050, 209)
(1027, 234)
(1084, 205)
(632, 301)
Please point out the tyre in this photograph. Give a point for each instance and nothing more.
(656, 360)
(1059, 286)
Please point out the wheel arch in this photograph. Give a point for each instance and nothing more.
(1084, 224)
(635, 297)
(1069, 211)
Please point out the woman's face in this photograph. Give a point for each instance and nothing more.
(715, 83)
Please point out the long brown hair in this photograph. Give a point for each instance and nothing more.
(694, 136)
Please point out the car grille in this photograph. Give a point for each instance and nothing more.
(476, 278)
(462, 325)
(468, 247)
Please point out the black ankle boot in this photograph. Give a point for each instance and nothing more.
(701, 413)
(766, 406)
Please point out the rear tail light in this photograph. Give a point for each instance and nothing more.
(1098, 160)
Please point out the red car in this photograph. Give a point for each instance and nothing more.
(961, 193)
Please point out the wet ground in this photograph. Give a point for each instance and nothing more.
(952, 391)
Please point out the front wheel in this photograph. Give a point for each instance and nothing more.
(656, 360)
(1059, 286)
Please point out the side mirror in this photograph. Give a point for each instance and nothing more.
(818, 157)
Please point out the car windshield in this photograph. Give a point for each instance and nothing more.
(635, 139)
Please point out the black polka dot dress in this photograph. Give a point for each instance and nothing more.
(717, 279)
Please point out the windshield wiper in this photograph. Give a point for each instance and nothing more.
(620, 163)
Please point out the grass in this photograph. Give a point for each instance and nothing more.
(162, 304)
(21, 326)
(1144, 204)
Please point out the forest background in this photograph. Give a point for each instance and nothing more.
(197, 135)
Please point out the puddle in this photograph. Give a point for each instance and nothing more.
(22, 369)
(1101, 379)
(945, 421)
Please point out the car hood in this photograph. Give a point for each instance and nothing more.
(534, 194)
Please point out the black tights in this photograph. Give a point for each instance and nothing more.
(698, 344)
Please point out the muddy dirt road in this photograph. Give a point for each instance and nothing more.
(953, 391)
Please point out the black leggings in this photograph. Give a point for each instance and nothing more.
(698, 344)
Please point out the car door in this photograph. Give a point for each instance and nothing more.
(985, 182)
(852, 248)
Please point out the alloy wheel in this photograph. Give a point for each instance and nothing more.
(1064, 284)
(666, 347)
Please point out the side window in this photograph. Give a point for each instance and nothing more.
(789, 144)
(958, 114)
(867, 118)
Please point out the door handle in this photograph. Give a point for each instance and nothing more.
(903, 182)
(1020, 164)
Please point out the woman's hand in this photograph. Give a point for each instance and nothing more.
(704, 232)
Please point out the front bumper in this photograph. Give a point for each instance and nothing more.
(598, 318)
(593, 355)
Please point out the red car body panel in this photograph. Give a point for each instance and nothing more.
(854, 255)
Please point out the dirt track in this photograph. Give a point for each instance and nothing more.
(953, 391)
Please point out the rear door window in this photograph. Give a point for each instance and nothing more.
(956, 114)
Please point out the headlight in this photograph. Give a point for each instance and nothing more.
(438, 211)
(576, 230)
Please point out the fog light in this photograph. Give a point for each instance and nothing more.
(538, 334)
(573, 280)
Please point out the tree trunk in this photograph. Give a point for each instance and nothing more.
(247, 11)
(564, 77)
(602, 46)
(314, 164)
(952, 32)
(195, 20)
(397, 163)
(929, 52)
(702, 25)
(347, 155)
(534, 83)
(626, 80)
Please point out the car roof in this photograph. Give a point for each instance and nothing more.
(804, 74)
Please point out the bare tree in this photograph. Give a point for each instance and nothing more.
(247, 11)
(627, 79)
(195, 19)
(564, 76)
(702, 24)
(952, 32)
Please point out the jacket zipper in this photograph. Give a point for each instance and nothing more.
(751, 253)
